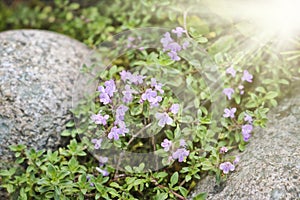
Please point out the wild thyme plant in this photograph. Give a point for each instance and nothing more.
(139, 138)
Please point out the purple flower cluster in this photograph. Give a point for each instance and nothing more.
(127, 94)
(180, 154)
(223, 149)
(174, 108)
(231, 71)
(99, 119)
(163, 119)
(172, 47)
(229, 112)
(152, 97)
(102, 171)
(97, 143)
(107, 92)
(166, 144)
(157, 86)
(226, 167)
(136, 79)
(247, 128)
(119, 127)
(228, 92)
(102, 162)
(246, 77)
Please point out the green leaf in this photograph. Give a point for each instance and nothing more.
(66, 133)
(174, 179)
(18, 147)
(70, 124)
(283, 81)
(271, 95)
(161, 175)
(9, 172)
(202, 39)
(51, 171)
(261, 90)
(188, 178)
(183, 191)
(201, 196)
(161, 196)
(128, 168)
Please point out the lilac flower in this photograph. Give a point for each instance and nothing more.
(137, 79)
(119, 121)
(185, 45)
(180, 154)
(226, 167)
(154, 102)
(174, 108)
(104, 97)
(157, 86)
(173, 46)
(231, 71)
(125, 75)
(99, 119)
(149, 94)
(153, 82)
(247, 76)
(173, 55)
(166, 39)
(228, 92)
(248, 118)
(110, 87)
(236, 160)
(97, 143)
(166, 144)
(123, 129)
(241, 88)
(179, 31)
(229, 112)
(246, 130)
(102, 160)
(182, 143)
(163, 119)
(128, 94)
(114, 133)
(121, 110)
(88, 180)
(223, 149)
(246, 137)
(102, 171)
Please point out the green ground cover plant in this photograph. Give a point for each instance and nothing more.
(189, 135)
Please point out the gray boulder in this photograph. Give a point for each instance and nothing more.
(38, 73)
(270, 165)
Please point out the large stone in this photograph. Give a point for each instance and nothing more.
(38, 70)
(270, 165)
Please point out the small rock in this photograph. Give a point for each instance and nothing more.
(37, 73)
